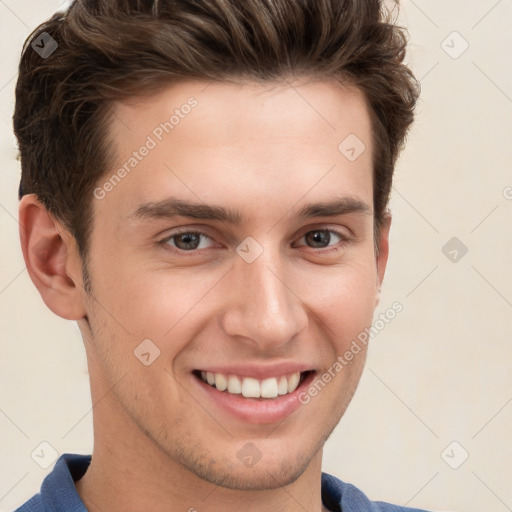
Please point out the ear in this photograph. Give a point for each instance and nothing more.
(52, 260)
(382, 258)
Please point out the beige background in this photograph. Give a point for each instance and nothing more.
(438, 373)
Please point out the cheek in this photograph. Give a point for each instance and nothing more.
(162, 304)
(344, 296)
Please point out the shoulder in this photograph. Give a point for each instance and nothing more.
(338, 495)
(34, 504)
(58, 492)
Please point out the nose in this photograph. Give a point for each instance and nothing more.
(262, 307)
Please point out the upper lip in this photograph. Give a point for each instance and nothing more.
(258, 370)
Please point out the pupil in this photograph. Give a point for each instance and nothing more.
(317, 237)
(189, 238)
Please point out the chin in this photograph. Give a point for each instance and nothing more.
(275, 469)
(261, 477)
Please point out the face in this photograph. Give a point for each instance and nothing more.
(214, 256)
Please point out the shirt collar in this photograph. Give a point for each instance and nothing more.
(58, 490)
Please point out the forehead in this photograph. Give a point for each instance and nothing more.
(222, 142)
(220, 108)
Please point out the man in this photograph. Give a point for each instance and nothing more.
(204, 190)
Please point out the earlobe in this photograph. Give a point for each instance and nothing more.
(51, 259)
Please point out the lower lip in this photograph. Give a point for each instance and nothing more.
(254, 410)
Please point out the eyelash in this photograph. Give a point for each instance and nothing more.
(343, 240)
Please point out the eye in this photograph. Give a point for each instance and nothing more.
(190, 241)
(187, 241)
(320, 238)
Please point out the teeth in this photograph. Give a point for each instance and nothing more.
(293, 382)
(234, 384)
(221, 383)
(250, 387)
(269, 388)
(282, 387)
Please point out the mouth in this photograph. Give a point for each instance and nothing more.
(271, 388)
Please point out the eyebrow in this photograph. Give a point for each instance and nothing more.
(173, 207)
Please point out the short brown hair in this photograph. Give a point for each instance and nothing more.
(109, 50)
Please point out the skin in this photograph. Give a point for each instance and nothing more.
(264, 150)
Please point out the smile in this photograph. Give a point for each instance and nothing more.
(250, 387)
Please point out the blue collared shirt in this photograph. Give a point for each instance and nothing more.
(58, 492)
